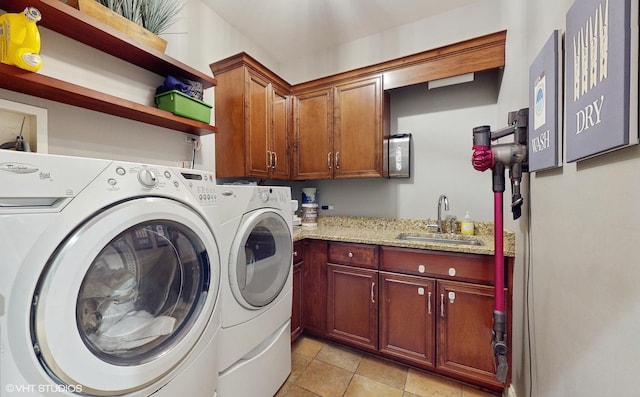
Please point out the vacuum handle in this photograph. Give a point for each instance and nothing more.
(482, 136)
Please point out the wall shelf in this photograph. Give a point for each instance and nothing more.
(68, 21)
(15, 79)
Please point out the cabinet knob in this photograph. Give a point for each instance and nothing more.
(421, 269)
(429, 302)
(442, 305)
(337, 164)
(350, 254)
(329, 160)
(295, 253)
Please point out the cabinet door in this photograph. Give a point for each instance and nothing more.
(314, 301)
(257, 125)
(352, 312)
(296, 308)
(229, 115)
(280, 163)
(298, 291)
(358, 129)
(465, 322)
(407, 308)
(313, 135)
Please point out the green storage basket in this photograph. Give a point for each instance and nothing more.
(183, 105)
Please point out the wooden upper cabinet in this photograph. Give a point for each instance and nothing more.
(281, 133)
(338, 131)
(357, 124)
(257, 128)
(313, 135)
(229, 113)
(268, 134)
(332, 127)
(253, 106)
(469, 56)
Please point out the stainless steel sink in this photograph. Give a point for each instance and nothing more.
(438, 239)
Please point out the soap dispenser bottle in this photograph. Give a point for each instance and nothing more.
(466, 226)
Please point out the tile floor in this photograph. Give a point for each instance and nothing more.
(319, 368)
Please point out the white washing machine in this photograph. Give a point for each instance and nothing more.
(256, 251)
(110, 278)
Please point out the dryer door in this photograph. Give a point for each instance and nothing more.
(261, 258)
(126, 297)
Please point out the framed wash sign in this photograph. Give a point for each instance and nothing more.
(545, 99)
(601, 47)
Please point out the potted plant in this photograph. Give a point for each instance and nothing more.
(154, 15)
(142, 20)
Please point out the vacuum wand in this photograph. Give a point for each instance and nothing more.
(498, 158)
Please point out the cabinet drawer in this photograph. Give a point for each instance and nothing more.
(361, 255)
(444, 265)
(297, 252)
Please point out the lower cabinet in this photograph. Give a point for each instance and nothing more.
(407, 307)
(352, 307)
(314, 284)
(422, 319)
(298, 292)
(352, 299)
(449, 326)
(465, 325)
(429, 309)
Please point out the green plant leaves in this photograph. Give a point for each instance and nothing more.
(154, 15)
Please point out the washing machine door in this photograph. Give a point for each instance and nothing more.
(126, 297)
(261, 257)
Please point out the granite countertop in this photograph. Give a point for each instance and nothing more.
(384, 231)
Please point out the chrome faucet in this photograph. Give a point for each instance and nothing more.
(442, 199)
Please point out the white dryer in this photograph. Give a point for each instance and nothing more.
(110, 278)
(256, 247)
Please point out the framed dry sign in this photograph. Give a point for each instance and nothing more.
(601, 47)
(545, 104)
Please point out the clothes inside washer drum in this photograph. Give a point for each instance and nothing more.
(133, 330)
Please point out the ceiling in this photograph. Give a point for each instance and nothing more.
(289, 29)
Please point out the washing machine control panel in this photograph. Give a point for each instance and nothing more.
(201, 184)
(159, 180)
(147, 178)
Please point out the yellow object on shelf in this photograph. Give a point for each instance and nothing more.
(20, 39)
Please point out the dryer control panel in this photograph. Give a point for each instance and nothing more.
(276, 196)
